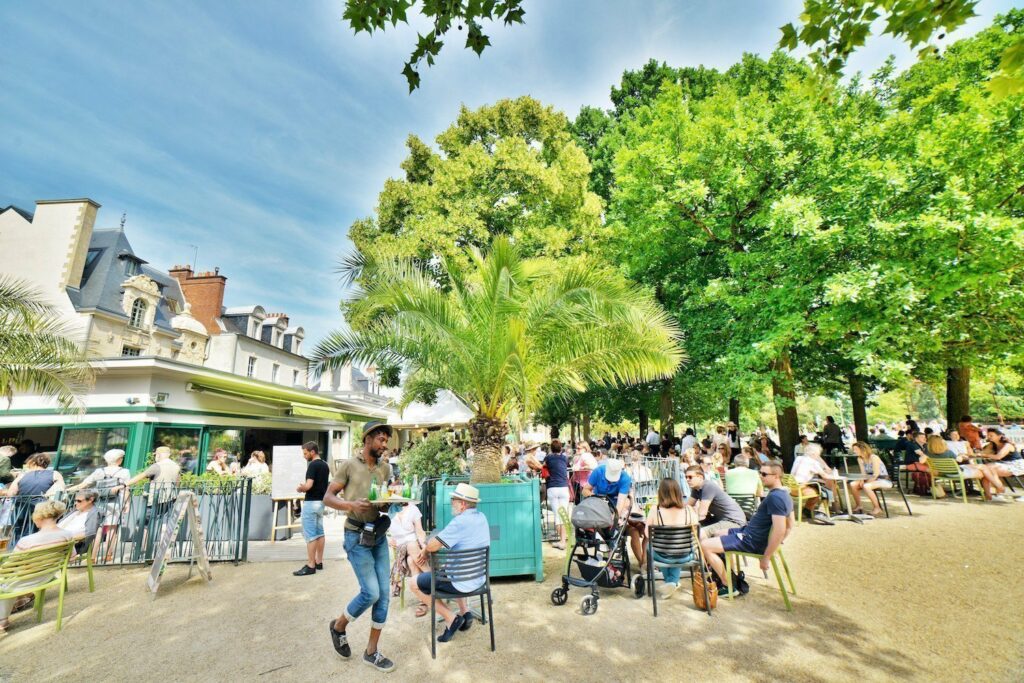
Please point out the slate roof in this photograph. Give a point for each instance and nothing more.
(101, 281)
(27, 215)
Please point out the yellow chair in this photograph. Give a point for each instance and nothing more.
(796, 491)
(946, 469)
(732, 564)
(44, 568)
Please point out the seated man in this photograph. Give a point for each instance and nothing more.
(740, 480)
(762, 535)
(468, 530)
(810, 467)
(716, 511)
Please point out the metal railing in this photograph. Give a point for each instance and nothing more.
(130, 522)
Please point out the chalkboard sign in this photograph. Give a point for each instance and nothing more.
(289, 471)
(187, 505)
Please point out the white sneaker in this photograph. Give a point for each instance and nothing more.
(668, 591)
(1001, 498)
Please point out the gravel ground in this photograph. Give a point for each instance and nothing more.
(933, 597)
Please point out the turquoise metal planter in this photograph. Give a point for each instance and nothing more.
(513, 512)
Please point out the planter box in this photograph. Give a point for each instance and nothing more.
(513, 512)
(260, 522)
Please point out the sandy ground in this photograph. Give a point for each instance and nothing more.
(933, 597)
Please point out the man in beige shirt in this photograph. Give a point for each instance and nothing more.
(365, 541)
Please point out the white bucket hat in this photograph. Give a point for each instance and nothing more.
(613, 470)
(113, 455)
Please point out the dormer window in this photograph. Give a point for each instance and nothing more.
(131, 267)
(138, 316)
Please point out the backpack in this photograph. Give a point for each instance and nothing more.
(106, 484)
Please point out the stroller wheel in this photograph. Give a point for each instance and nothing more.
(588, 605)
(639, 586)
(559, 596)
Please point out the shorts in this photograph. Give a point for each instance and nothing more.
(1015, 467)
(558, 498)
(312, 520)
(736, 541)
(718, 528)
(881, 483)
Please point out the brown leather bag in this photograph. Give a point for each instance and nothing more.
(697, 582)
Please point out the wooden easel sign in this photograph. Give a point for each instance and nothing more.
(187, 505)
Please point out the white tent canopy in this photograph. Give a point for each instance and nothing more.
(446, 411)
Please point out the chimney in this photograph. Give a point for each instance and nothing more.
(67, 225)
(204, 292)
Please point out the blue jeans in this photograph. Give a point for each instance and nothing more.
(671, 574)
(372, 567)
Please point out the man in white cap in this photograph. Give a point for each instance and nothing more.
(609, 480)
(468, 530)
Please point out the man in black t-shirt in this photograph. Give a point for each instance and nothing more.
(318, 475)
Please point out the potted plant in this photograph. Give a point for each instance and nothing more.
(502, 336)
(261, 512)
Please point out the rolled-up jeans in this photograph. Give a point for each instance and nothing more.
(671, 574)
(372, 567)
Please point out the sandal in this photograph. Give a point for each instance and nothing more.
(421, 610)
(858, 511)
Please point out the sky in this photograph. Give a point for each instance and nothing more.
(258, 131)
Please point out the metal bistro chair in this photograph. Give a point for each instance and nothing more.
(676, 542)
(460, 565)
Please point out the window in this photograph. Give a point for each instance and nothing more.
(229, 440)
(131, 267)
(273, 372)
(130, 352)
(81, 450)
(251, 370)
(295, 377)
(184, 445)
(138, 316)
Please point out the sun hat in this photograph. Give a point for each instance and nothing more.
(613, 470)
(113, 455)
(373, 425)
(467, 493)
(530, 446)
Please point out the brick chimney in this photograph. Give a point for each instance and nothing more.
(204, 292)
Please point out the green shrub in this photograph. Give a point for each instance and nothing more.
(432, 457)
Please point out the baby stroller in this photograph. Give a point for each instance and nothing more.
(599, 554)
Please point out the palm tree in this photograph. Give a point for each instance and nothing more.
(38, 353)
(507, 334)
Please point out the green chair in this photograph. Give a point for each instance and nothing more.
(570, 536)
(796, 491)
(946, 469)
(87, 552)
(44, 568)
(732, 565)
(747, 501)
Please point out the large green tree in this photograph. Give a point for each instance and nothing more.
(508, 333)
(511, 169)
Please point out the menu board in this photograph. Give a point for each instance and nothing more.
(289, 471)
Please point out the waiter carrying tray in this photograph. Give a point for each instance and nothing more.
(365, 541)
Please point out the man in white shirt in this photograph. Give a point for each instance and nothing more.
(810, 467)
(653, 440)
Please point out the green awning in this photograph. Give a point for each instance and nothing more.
(292, 401)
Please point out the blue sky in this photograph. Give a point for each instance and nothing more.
(260, 130)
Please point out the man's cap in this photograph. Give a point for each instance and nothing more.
(465, 492)
(113, 455)
(373, 425)
(613, 470)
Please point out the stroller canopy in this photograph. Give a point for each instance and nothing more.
(593, 513)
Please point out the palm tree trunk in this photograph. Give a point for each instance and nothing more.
(487, 436)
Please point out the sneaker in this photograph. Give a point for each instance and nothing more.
(467, 621)
(319, 565)
(822, 518)
(668, 591)
(723, 591)
(305, 571)
(379, 662)
(558, 546)
(340, 641)
(449, 632)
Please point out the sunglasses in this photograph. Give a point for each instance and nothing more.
(766, 474)
(79, 500)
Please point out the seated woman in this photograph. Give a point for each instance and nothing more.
(877, 478)
(671, 511)
(939, 448)
(1002, 455)
(722, 456)
(407, 538)
(84, 521)
(257, 465)
(44, 516)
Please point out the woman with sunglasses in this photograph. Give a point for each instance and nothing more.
(84, 521)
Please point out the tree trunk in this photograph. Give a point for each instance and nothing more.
(642, 419)
(859, 399)
(958, 395)
(573, 432)
(487, 436)
(586, 426)
(665, 411)
(785, 407)
(734, 412)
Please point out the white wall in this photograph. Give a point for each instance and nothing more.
(230, 352)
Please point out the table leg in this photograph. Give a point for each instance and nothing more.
(848, 516)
